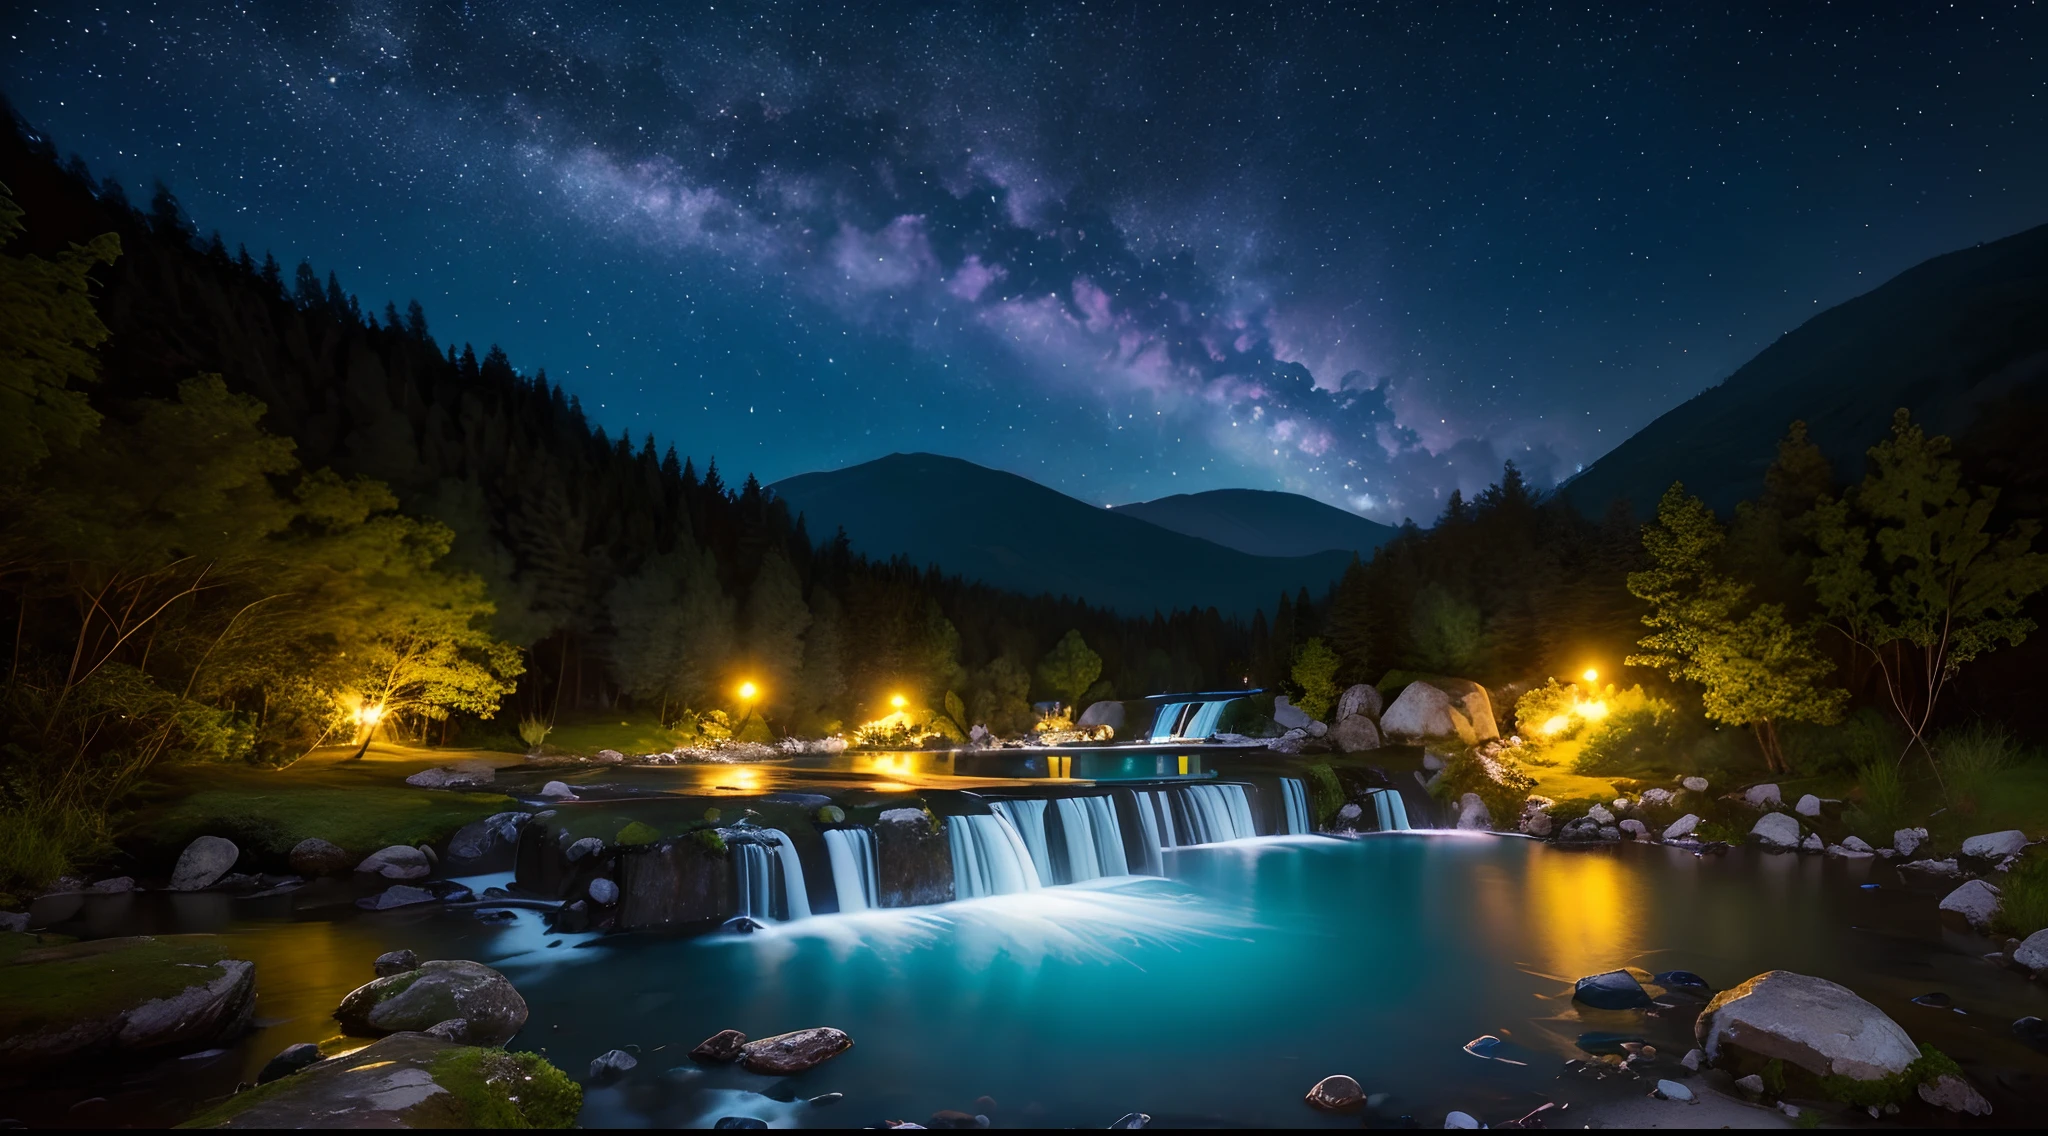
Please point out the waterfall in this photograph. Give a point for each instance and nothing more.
(1160, 802)
(1204, 723)
(854, 875)
(1028, 818)
(1148, 823)
(1393, 812)
(1217, 813)
(1169, 717)
(989, 857)
(756, 865)
(1095, 842)
(1295, 794)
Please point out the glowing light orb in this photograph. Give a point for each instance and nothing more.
(748, 690)
(899, 702)
(1591, 675)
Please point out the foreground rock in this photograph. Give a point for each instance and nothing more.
(490, 1010)
(1776, 831)
(127, 995)
(409, 1080)
(1336, 1094)
(397, 862)
(313, 857)
(1970, 906)
(204, 861)
(795, 1052)
(1802, 1021)
(1355, 734)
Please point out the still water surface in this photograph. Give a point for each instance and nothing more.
(1214, 996)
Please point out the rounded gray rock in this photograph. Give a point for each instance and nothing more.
(204, 861)
(436, 992)
(316, 857)
(396, 862)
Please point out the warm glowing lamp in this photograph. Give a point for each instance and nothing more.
(1591, 675)
(748, 690)
(370, 715)
(899, 702)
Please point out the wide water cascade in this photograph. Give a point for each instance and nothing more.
(1179, 720)
(1202, 814)
(1028, 818)
(989, 857)
(1094, 840)
(759, 866)
(851, 852)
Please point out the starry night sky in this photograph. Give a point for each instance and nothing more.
(1123, 250)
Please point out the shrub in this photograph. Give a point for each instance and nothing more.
(1881, 804)
(1550, 704)
(1498, 778)
(1862, 738)
(2023, 900)
(637, 832)
(1639, 734)
(534, 731)
(38, 845)
(1970, 761)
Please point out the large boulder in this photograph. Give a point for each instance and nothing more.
(1806, 1022)
(1355, 734)
(787, 1054)
(59, 1004)
(1440, 709)
(396, 862)
(1290, 716)
(1776, 831)
(1971, 906)
(316, 857)
(1104, 713)
(409, 1080)
(491, 1011)
(1995, 845)
(204, 861)
(676, 883)
(1363, 700)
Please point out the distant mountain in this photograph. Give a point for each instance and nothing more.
(1016, 534)
(1263, 522)
(1942, 338)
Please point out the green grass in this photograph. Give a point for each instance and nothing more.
(38, 846)
(628, 733)
(2023, 900)
(47, 986)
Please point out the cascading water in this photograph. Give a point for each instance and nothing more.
(757, 867)
(854, 874)
(1203, 724)
(1028, 818)
(1187, 720)
(1169, 717)
(1295, 795)
(1095, 841)
(1217, 813)
(1147, 808)
(989, 857)
(1393, 814)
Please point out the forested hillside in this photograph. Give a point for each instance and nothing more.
(619, 569)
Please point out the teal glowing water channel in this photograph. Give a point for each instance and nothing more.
(1215, 994)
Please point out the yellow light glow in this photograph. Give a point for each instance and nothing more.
(898, 701)
(1591, 711)
(370, 715)
(1556, 725)
(748, 690)
(1591, 675)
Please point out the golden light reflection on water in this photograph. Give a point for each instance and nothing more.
(1575, 913)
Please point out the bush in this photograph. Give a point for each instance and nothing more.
(1881, 805)
(1862, 738)
(1550, 704)
(533, 731)
(2023, 900)
(37, 846)
(1639, 734)
(1498, 778)
(1970, 761)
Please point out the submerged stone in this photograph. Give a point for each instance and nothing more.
(1679, 978)
(794, 1052)
(395, 962)
(720, 1047)
(1336, 1093)
(1672, 1090)
(612, 1063)
(1614, 990)
(288, 1061)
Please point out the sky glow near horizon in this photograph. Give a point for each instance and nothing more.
(1124, 251)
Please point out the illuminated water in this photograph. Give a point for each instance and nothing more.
(1214, 996)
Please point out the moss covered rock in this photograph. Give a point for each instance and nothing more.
(141, 993)
(409, 1080)
(491, 1011)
